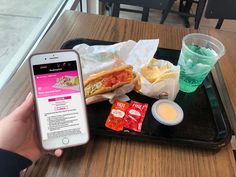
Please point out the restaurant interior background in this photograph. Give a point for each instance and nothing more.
(24, 23)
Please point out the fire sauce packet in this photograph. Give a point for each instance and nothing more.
(115, 120)
(134, 116)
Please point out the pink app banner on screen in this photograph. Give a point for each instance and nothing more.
(58, 83)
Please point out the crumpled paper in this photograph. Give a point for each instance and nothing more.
(167, 88)
(95, 59)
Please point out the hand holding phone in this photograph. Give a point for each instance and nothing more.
(20, 123)
(59, 97)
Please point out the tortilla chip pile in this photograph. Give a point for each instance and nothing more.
(154, 73)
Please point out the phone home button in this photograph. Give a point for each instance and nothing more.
(65, 140)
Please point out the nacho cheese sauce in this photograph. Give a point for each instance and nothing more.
(166, 111)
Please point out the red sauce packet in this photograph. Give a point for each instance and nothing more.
(115, 120)
(134, 116)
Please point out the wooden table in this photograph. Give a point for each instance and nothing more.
(118, 157)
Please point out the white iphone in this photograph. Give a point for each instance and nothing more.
(59, 97)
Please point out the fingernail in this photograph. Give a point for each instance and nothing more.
(28, 96)
(58, 152)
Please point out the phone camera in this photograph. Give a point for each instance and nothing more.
(45, 58)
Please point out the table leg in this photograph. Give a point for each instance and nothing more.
(181, 5)
(219, 23)
(81, 8)
(75, 4)
(116, 9)
(145, 14)
(199, 12)
(166, 11)
(186, 9)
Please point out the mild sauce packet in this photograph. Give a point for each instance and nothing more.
(115, 120)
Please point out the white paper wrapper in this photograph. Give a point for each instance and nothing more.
(100, 57)
(95, 59)
(168, 86)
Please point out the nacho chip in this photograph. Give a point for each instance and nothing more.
(155, 74)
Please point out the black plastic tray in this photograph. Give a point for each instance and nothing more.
(205, 122)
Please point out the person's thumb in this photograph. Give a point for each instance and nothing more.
(24, 111)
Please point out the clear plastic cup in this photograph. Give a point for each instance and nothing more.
(198, 56)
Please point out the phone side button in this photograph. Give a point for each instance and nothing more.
(65, 140)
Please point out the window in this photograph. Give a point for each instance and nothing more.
(22, 25)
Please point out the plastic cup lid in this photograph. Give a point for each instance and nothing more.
(170, 122)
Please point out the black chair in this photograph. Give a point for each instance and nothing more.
(164, 5)
(184, 11)
(219, 9)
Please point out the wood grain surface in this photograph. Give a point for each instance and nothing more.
(112, 157)
(228, 61)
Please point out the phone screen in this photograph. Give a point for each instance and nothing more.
(59, 99)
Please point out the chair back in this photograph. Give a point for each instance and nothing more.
(221, 9)
(155, 4)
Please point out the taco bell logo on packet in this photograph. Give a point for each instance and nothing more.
(121, 105)
(134, 112)
(138, 106)
(118, 113)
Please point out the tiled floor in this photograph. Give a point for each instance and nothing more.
(174, 19)
(154, 15)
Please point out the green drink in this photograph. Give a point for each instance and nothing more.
(198, 56)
